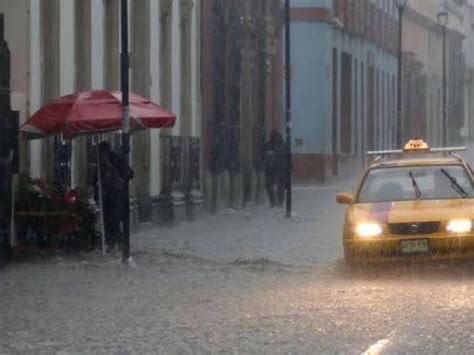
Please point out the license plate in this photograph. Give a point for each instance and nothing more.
(414, 246)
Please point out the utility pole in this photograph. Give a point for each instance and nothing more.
(401, 5)
(443, 21)
(289, 194)
(445, 116)
(124, 75)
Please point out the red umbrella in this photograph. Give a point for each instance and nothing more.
(92, 112)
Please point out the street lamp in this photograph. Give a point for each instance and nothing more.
(401, 5)
(443, 21)
(289, 200)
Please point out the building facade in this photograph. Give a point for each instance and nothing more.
(423, 74)
(468, 129)
(64, 46)
(344, 74)
(242, 95)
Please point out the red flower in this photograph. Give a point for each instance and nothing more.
(70, 198)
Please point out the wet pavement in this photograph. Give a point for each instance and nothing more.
(246, 281)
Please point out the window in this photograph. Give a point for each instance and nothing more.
(399, 184)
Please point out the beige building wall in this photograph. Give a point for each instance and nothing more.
(422, 38)
(468, 130)
(430, 8)
(82, 57)
(415, 39)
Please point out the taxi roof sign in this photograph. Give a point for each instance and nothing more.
(416, 145)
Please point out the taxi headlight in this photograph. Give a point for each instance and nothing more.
(459, 226)
(367, 230)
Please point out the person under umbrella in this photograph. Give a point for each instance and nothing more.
(115, 174)
(125, 174)
(96, 112)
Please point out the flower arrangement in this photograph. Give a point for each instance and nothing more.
(51, 211)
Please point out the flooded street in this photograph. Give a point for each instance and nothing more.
(257, 284)
(121, 117)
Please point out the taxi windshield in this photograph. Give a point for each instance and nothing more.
(416, 182)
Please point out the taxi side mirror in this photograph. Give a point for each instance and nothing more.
(345, 199)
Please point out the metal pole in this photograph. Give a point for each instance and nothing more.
(289, 200)
(399, 79)
(445, 116)
(101, 195)
(126, 125)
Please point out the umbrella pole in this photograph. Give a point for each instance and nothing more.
(125, 67)
(101, 197)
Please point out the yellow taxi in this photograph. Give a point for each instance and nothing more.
(420, 203)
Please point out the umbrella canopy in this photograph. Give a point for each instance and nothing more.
(92, 112)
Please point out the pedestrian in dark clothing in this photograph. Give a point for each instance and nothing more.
(110, 191)
(6, 175)
(125, 174)
(276, 168)
(115, 174)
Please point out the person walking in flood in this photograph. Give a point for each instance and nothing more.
(276, 168)
(115, 175)
(125, 174)
(110, 193)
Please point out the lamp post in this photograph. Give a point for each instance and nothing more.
(124, 78)
(289, 199)
(443, 21)
(401, 5)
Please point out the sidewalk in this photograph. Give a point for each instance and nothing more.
(257, 232)
(188, 291)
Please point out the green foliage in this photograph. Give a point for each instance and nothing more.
(28, 197)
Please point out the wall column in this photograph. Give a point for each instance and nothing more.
(97, 44)
(166, 14)
(186, 8)
(140, 59)
(112, 43)
(82, 40)
(247, 117)
(50, 53)
(67, 79)
(34, 97)
(164, 200)
(185, 119)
